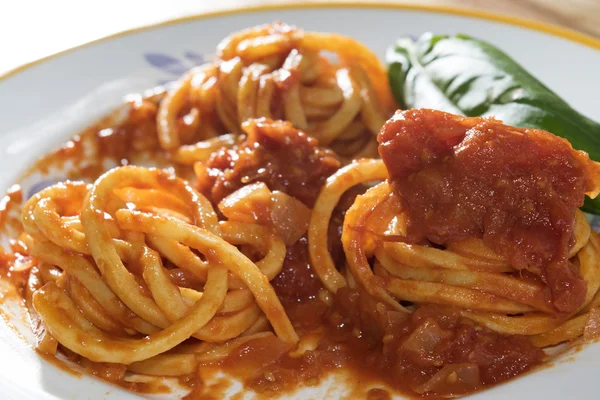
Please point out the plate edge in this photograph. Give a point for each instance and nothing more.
(544, 27)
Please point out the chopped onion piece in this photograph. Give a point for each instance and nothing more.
(458, 376)
(425, 338)
(252, 203)
(289, 217)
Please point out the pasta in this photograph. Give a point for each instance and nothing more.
(126, 290)
(467, 274)
(290, 229)
(280, 72)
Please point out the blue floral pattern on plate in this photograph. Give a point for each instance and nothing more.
(173, 66)
(41, 185)
(594, 221)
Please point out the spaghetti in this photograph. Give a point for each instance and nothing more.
(124, 290)
(280, 72)
(465, 277)
(275, 245)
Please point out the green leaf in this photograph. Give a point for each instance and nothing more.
(466, 76)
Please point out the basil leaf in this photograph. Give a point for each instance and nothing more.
(466, 76)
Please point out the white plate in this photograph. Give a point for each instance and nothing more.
(51, 100)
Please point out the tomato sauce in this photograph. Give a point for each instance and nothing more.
(275, 153)
(518, 189)
(430, 353)
(297, 281)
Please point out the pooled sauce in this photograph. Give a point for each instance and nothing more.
(430, 353)
(518, 189)
(297, 280)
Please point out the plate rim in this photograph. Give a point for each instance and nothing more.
(551, 30)
(539, 26)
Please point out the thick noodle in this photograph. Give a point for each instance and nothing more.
(142, 271)
(111, 298)
(466, 274)
(327, 85)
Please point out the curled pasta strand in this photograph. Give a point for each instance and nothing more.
(238, 264)
(466, 274)
(109, 258)
(58, 313)
(356, 173)
(280, 72)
